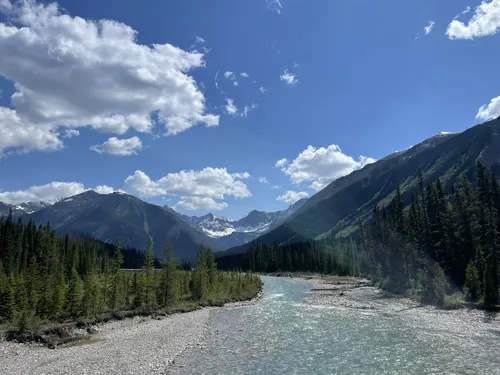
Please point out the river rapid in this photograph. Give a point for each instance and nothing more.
(287, 332)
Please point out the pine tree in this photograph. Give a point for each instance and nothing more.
(472, 281)
(148, 275)
(168, 280)
(74, 293)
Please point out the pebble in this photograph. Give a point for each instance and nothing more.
(124, 347)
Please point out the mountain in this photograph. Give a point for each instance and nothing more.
(108, 217)
(24, 208)
(336, 209)
(230, 233)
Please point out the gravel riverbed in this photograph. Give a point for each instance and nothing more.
(131, 346)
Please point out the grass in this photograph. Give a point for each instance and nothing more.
(455, 301)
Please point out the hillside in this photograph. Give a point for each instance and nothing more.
(336, 208)
(112, 216)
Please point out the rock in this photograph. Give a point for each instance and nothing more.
(92, 330)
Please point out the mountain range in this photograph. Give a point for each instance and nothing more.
(110, 216)
(333, 211)
(24, 208)
(336, 209)
(229, 233)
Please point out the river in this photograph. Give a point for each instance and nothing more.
(286, 334)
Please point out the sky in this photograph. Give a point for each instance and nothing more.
(228, 106)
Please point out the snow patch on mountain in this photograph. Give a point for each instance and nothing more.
(255, 223)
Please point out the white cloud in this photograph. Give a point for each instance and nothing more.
(139, 183)
(288, 78)
(200, 40)
(51, 191)
(429, 28)
(70, 133)
(230, 108)
(262, 90)
(291, 196)
(281, 163)
(247, 109)
(197, 203)
(17, 134)
(485, 21)
(274, 5)
(263, 180)
(217, 84)
(119, 147)
(295, 65)
(76, 72)
(214, 183)
(489, 111)
(5, 5)
(231, 76)
(321, 165)
(104, 189)
(244, 75)
(276, 187)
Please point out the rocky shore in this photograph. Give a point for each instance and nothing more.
(360, 296)
(140, 345)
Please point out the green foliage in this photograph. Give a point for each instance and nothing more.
(438, 240)
(472, 285)
(44, 278)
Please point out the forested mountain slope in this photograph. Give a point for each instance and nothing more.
(108, 217)
(338, 207)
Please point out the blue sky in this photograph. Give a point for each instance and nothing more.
(330, 86)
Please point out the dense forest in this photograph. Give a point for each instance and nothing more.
(432, 246)
(46, 278)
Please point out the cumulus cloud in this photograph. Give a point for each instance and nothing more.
(262, 90)
(77, 72)
(321, 165)
(263, 180)
(281, 163)
(244, 75)
(196, 203)
(288, 78)
(485, 21)
(52, 191)
(104, 189)
(291, 196)
(70, 133)
(214, 183)
(489, 111)
(15, 133)
(119, 147)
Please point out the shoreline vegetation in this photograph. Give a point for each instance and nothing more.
(54, 290)
(438, 247)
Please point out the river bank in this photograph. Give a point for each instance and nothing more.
(138, 345)
(359, 294)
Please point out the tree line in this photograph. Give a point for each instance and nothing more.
(431, 246)
(44, 277)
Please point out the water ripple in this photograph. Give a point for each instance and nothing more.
(284, 335)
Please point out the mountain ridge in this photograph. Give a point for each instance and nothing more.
(236, 232)
(108, 217)
(336, 209)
